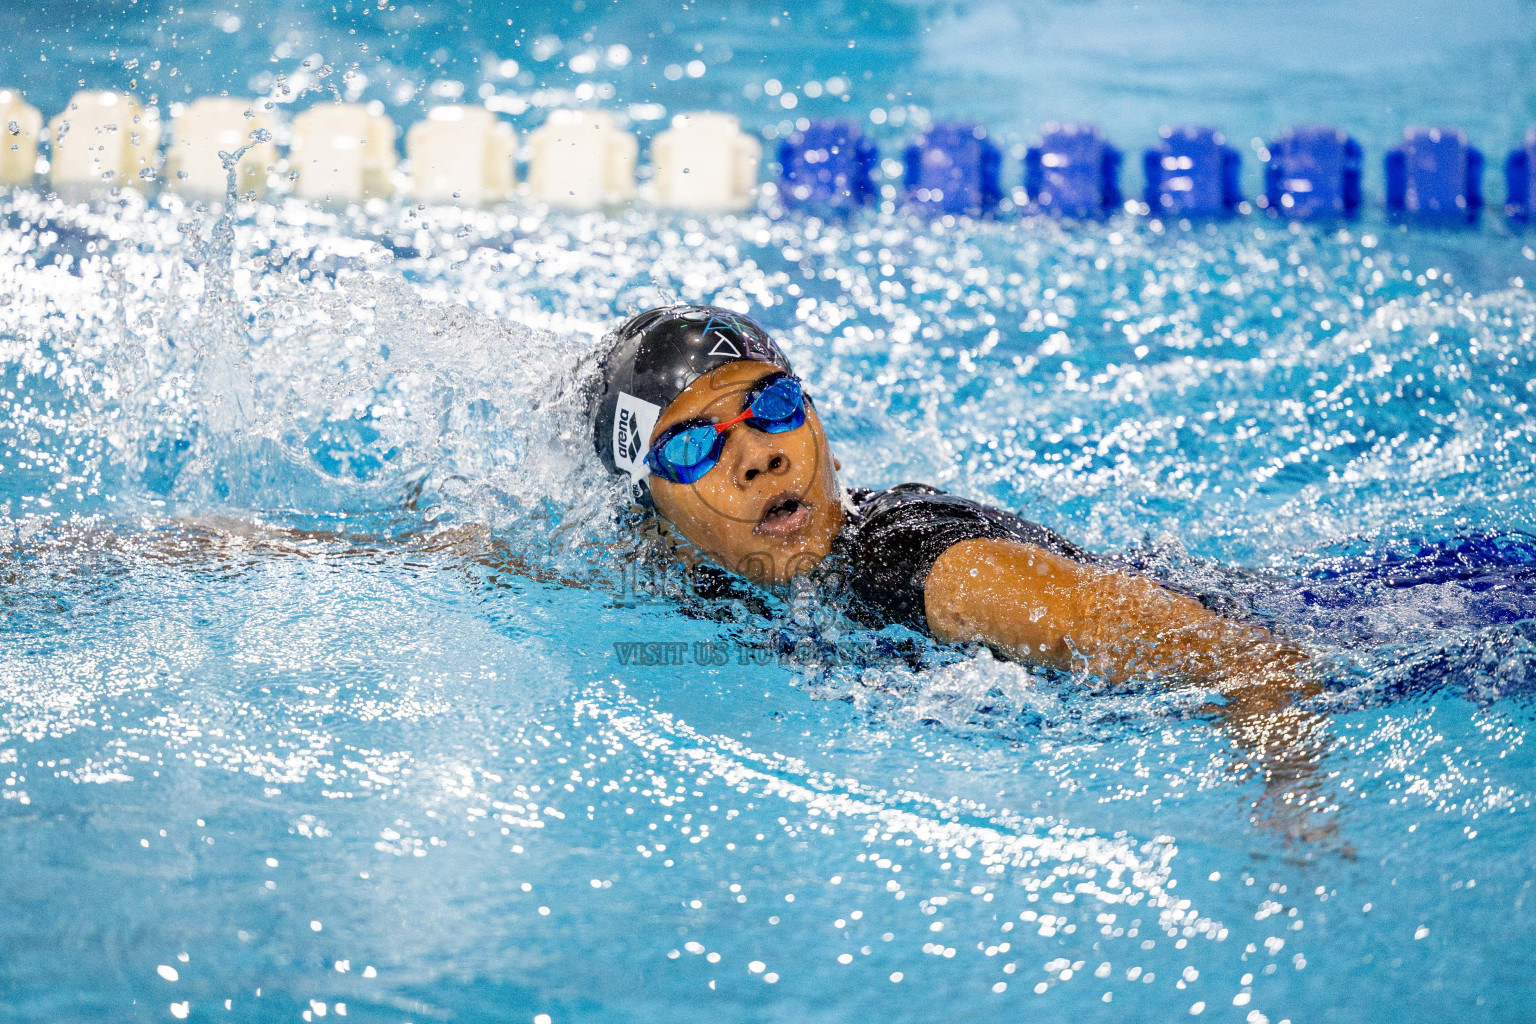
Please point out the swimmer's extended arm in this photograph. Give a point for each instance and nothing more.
(206, 540)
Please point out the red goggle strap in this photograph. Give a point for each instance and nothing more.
(746, 414)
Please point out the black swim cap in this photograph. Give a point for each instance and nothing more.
(655, 356)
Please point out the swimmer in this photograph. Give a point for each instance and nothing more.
(725, 454)
(700, 410)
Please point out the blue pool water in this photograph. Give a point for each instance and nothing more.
(316, 696)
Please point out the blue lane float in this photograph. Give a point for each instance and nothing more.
(1313, 173)
(1192, 173)
(1072, 172)
(828, 164)
(953, 169)
(1518, 170)
(1435, 177)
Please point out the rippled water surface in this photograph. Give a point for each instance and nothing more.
(314, 692)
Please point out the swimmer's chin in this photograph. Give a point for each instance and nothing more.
(779, 574)
(778, 568)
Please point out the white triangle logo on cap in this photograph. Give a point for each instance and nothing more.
(725, 346)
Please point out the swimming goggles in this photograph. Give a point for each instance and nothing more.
(686, 451)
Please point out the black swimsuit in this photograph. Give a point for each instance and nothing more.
(890, 539)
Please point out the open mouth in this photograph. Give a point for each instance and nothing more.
(785, 514)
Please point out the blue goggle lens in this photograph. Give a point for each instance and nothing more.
(779, 407)
(691, 448)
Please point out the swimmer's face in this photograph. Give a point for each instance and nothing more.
(770, 509)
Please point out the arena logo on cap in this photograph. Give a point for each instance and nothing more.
(633, 422)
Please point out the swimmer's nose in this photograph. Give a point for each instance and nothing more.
(776, 465)
(758, 454)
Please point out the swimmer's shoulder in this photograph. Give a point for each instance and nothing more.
(895, 536)
(911, 512)
(868, 500)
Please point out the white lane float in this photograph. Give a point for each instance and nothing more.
(582, 159)
(104, 138)
(20, 125)
(462, 155)
(213, 124)
(343, 152)
(705, 163)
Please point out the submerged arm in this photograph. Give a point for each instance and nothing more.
(1040, 607)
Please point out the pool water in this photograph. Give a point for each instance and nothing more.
(319, 693)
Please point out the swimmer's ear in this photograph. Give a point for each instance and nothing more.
(682, 548)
